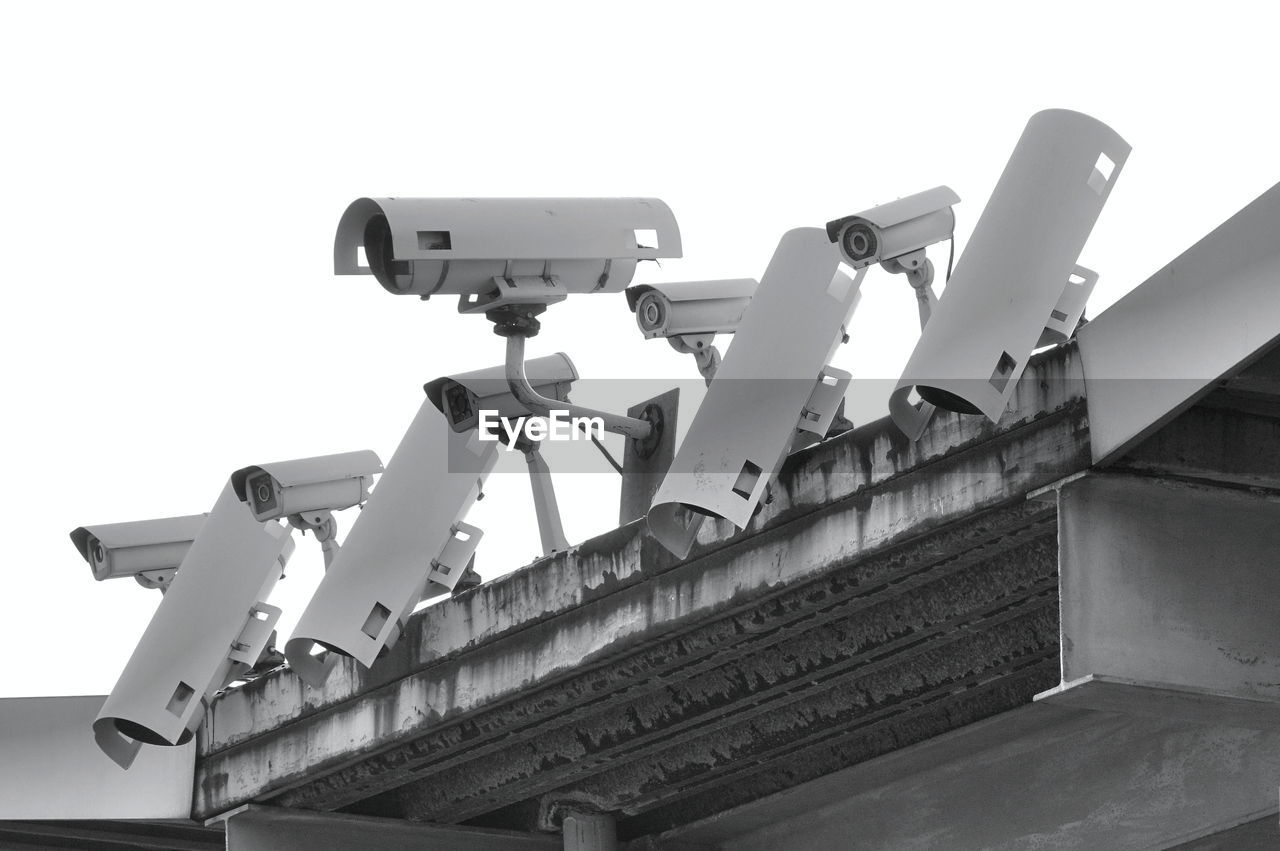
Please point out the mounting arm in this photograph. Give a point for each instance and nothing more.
(541, 405)
(550, 529)
(325, 528)
(919, 272)
(704, 352)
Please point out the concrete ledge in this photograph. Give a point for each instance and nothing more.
(848, 467)
(856, 522)
(255, 828)
(1163, 700)
(1037, 776)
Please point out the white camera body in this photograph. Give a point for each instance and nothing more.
(148, 550)
(691, 307)
(475, 247)
(690, 314)
(461, 397)
(307, 485)
(409, 542)
(211, 626)
(765, 398)
(895, 229)
(1017, 285)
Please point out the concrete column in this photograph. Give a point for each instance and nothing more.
(590, 832)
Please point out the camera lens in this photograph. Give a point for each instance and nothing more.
(859, 242)
(458, 403)
(651, 313)
(264, 495)
(98, 554)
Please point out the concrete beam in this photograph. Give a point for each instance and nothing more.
(109, 835)
(1166, 729)
(1039, 776)
(1170, 599)
(849, 467)
(580, 723)
(1169, 341)
(583, 631)
(1257, 835)
(831, 677)
(257, 828)
(850, 723)
(1214, 443)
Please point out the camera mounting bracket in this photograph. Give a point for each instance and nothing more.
(703, 350)
(515, 290)
(919, 272)
(325, 528)
(516, 323)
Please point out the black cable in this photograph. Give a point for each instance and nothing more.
(951, 256)
(603, 449)
(605, 452)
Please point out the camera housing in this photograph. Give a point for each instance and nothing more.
(895, 229)
(211, 626)
(307, 485)
(148, 550)
(689, 315)
(476, 247)
(460, 397)
(691, 307)
(1017, 285)
(408, 543)
(773, 392)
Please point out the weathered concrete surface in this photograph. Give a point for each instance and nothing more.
(1232, 436)
(845, 468)
(1214, 443)
(1257, 835)
(1036, 777)
(889, 593)
(1173, 584)
(1167, 729)
(256, 828)
(819, 686)
(121, 834)
(888, 617)
(891, 597)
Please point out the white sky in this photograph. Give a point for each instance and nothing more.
(172, 175)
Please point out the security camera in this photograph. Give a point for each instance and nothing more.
(1017, 284)
(462, 397)
(766, 399)
(690, 314)
(307, 491)
(307, 485)
(211, 627)
(483, 400)
(692, 307)
(493, 251)
(508, 258)
(895, 229)
(409, 542)
(896, 234)
(148, 550)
